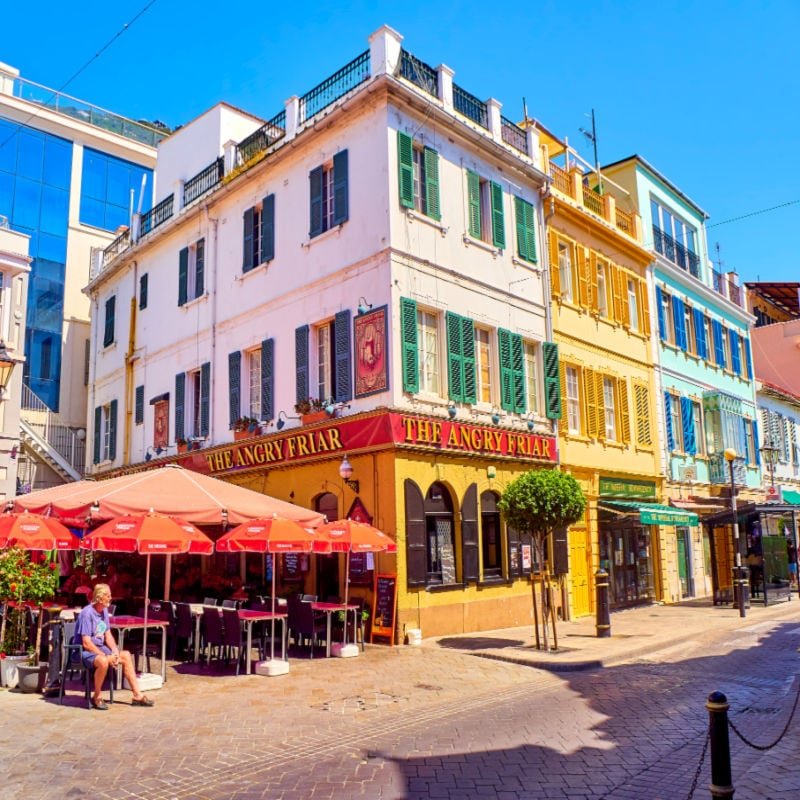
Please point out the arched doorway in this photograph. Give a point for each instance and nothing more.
(440, 535)
(491, 537)
(327, 569)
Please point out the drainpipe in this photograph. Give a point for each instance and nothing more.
(129, 362)
(89, 452)
(547, 299)
(212, 274)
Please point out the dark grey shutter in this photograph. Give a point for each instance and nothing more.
(268, 228)
(560, 551)
(199, 268)
(343, 357)
(112, 430)
(552, 381)
(416, 549)
(315, 179)
(180, 394)
(98, 421)
(514, 555)
(143, 291)
(183, 276)
(340, 191)
(248, 243)
(268, 379)
(301, 363)
(234, 387)
(108, 334)
(138, 414)
(469, 535)
(205, 397)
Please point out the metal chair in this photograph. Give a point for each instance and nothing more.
(71, 660)
(184, 627)
(213, 634)
(234, 636)
(304, 624)
(210, 601)
(230, 603)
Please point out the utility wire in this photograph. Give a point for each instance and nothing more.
(753, 214)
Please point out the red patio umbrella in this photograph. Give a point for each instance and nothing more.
(35, 532)
(274, 536)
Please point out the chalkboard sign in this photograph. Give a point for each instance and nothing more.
(384, 607)
(292, 567)
(361, 568)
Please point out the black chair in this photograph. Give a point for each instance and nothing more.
(184, 627)
(230, 603)
(309, 598)
(234, 636)
(213, 633)
(168, 613)
(304, 624)
(71, 660)
(210, 601)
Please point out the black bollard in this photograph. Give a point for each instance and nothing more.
(603, 624)
(721, 780)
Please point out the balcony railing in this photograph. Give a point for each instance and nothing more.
(719, 471)
(593, 201)
(734, 293)
(156, 216)
(470, 106)
(119, 245)
(331, 89)
(203, 182)
(676, 252)
(260, 140)
(561, 180)
(625, 222)
(419, 73)
(719, 282)
(514, 135)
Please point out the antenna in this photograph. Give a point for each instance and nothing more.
(524, 109)
(592, 137)
(718, 261)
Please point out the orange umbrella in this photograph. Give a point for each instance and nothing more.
(35, 532)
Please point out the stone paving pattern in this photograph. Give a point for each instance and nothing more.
(438, 722)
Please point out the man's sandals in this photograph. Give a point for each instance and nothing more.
(99, 705)
(144, 700)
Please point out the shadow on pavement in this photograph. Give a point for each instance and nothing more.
(477, 642)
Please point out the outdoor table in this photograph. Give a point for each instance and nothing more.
(329, 609)
(125, 622)
(248, 617)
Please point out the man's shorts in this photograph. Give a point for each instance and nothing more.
(88, 658)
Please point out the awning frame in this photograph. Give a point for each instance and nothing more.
(652, 513)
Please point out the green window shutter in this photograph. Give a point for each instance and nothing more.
(315, 179)
(432, 184)
(474, 204)
(301, 363)
(552, 381)
(268, 379)
(205, 398)
(455, 360)
(340, 189)
(530, 230)
(343, 385)
(98, 422)
(200, 268)
(108, 333)
(248, 240)
(498, 222)
(518, 374)
(143, 280)
(234, 387)
(112, 430)
(183, 276)
(268, 228)
(408, 325)
(180, 395)
(468, 360)
(405, 162)
(522, 235)
(506, 374)
(138, 413)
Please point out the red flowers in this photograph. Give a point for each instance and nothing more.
(13, 587)
(53, 565)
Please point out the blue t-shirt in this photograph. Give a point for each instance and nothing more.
(94, 624)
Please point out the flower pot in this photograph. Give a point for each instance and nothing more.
(313, 416)
(30, 677)
(247, 433)
(9, 675)
(182, 448)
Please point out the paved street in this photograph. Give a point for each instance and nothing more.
(436, 721)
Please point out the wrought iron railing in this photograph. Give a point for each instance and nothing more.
(419, 73)
(719, 282)
(676, 252)
(734, 293)
(593, 201)
(258, 141)
(719, 471)
(120, 244)
(204, 181)
(156, 216)
(624, 222)
(561, 179)
(470, 106)
(331, 89)
(514, 135)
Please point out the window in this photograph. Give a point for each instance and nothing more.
(641, 399)
(329, 194)
(565, 271)
(143, 281)
(439, 535)
(691, 338)
(669, 328)
(485, 217)
(726, 350)
(258, 245)
(529, 354)
(491, 539)
(108, 331)
(697, 422)
(193, 404)
(708, 337)
(483, 366)
(105, 432)
(428, 337)
(609, 409)
(138, 408)
(749, 442)
(419, 176)
(573, 401)
(191, 272)
(674, 238)
(325, 373)
(105, 445)
(254, 383)
(633, 305)
(602, 288)
(674, 423)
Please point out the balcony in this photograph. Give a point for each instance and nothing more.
(719, 471)
(727, 287)
(676, 252)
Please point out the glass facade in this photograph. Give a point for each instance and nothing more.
(106, 186)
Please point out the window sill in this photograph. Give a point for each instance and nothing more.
(435, 588)
(258, 268)
(613, 444)
(334, 231)
(520, 262)
(196, 300)
(488, 583)
(578, 437)
(469, 240)
(418, 216)
(107, 348)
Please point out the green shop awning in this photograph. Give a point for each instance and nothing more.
(791, 497)
(652, 513)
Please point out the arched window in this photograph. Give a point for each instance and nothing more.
(327, 504)
(439, 535)
(491, 537)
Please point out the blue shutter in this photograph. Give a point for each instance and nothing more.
(268, 379)
(205, 398)
(199, 268)
(138, 413)
(343, 357)
(689, 433)
(180, 394)
(98, 421)
(315, 179)
(679, 317)
(667, 409)
(719, 351)
(183, 276)
(700, 333)
(736, 359)
(340, 191)
(112, 430)
(662, 323)
(234, 387)
(301, 363)
(268, 228)
(748, 358)
(755, 442)
(248, 240)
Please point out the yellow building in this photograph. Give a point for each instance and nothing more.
(607, 432)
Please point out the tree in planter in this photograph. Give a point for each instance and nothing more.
(538, 503)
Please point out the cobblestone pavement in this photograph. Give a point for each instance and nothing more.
(424, 723)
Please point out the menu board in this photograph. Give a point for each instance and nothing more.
(361, 568)
(384, 607)
(292, 567)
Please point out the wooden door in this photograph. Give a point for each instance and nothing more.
(579, 572)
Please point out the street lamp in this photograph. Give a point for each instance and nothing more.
(730, 457)
(7, 364)
(769, 453)
(346, 474)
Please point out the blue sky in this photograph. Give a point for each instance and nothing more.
(707, 92)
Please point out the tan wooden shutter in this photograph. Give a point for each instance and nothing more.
(555, 277)
(624, 412)
(589, 386)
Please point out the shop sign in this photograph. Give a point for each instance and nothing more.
(619, 487)
(652, 517)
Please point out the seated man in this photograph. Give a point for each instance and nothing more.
(100, 648)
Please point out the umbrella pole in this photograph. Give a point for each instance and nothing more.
(146, 607)
(272, 635)
(167, 576)
(346, 592)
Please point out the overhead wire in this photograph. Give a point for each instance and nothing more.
(753, 213)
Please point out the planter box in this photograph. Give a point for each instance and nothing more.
(246, 434)
(313, 416)
(9, 674)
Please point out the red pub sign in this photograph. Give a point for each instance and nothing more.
(376, 431)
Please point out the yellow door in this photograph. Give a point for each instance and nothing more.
(579, 572)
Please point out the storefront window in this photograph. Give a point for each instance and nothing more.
(440, 546)
(491, 536)
(626, 554)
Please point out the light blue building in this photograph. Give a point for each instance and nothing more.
(704, 369)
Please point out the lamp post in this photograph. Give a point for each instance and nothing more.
(738, 581)
(346, 474)
(769, 452)
(7, 364)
